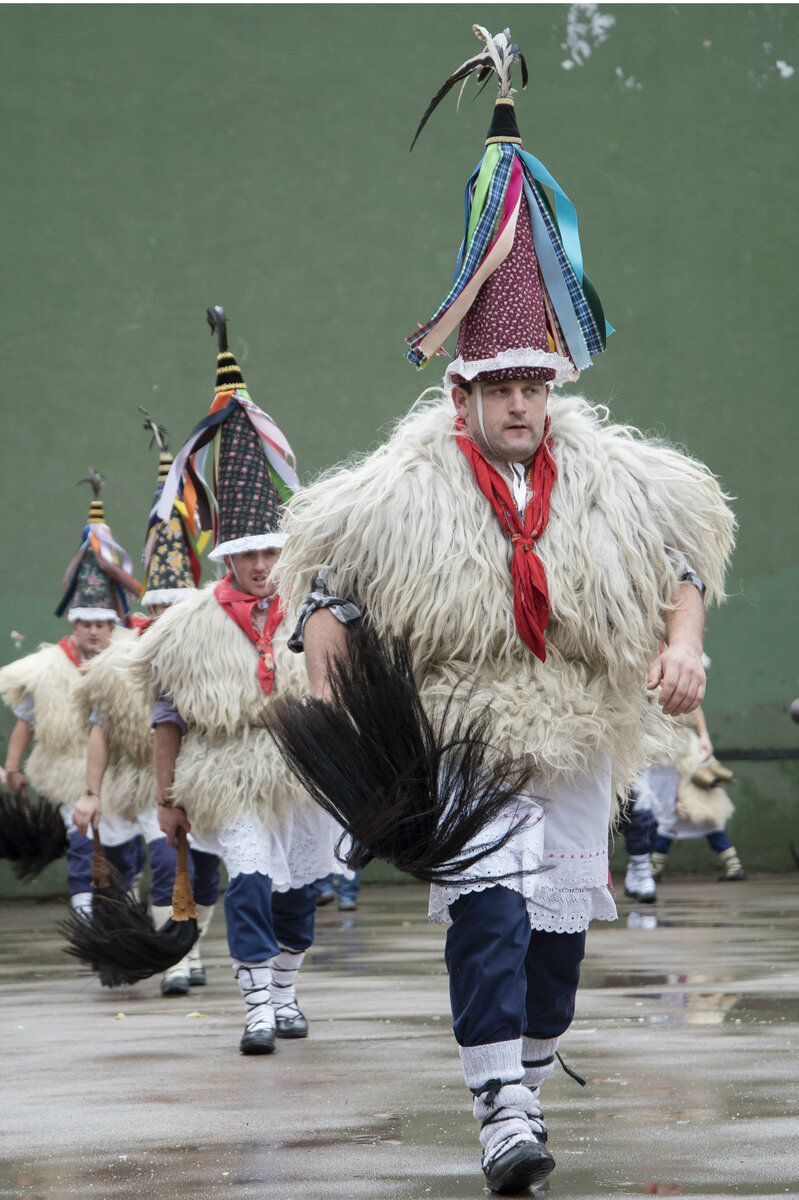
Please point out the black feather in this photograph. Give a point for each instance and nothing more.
(32, 834)
(482, 63)
(407, 792)
(118, 938)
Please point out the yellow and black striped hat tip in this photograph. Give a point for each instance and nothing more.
(228, 373)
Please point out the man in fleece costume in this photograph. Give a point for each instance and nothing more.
(42, 688)
(215, 661)
(121, 736)
(548, 565)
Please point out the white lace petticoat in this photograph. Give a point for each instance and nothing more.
(557, 860)
(302, 850)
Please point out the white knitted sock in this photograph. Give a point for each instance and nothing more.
(503, 1106)
(285, 967)
(82, 902)
(253, 980)
(538, 1060)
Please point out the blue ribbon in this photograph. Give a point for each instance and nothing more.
(564, 210)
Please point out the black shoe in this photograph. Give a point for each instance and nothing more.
(197, 976)
(260, 1040)
(290, 1022)
(524, 1164)
(732, 876)
(174, 985)
(325, 898)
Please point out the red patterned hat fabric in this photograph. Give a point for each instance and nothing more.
(507, 315)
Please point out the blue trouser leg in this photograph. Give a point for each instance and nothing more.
(126, 857)
(323, 885)
(205, 876)
(552, 967)
(718, 840)
(251, 934)
(639, 830)
(294, 913)
(348, 888)
(79, 862)
(163, 863)
(505, 979)
(662, 844)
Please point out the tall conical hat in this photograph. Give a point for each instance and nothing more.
(98, 584)
(253, 469)
(525, 306)
(171, 556)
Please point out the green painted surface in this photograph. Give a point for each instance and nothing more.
(160, 158)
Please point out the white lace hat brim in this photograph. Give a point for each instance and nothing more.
(256, 541)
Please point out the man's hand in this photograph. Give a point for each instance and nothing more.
(18, 783)
(170, 820)
(679, 674)
(86, 813)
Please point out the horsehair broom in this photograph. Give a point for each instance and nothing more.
(408, 792)
(118, 939)
(31, 835)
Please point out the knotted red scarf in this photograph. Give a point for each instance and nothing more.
(530, 592)
(70, 647)
(238, 606)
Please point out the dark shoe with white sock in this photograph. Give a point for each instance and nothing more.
(175, 981)
(197, 975)
(733, 871)
(257, 1041)
(290, 1022)
(523, 1163)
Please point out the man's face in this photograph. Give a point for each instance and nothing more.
(92, 636)
(514, 413)
(154, 610)
(254, 571)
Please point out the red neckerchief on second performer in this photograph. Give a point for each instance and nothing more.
(238, 606)
(530, 592)
(70, 647)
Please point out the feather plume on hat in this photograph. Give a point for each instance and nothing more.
(525, 306)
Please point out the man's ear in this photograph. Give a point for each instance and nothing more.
(460, 398)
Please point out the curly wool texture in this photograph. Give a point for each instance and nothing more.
(228, 765)
(57, 763)
(700, 804)
(413, 541)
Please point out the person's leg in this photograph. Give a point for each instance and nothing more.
(293, 912)
(639, 835)
(553, 972)
(127, 857)
(253, 945)
(163, 864)
(485, 954)
(660, 849)
(204, 868)
(325, 892)
(347, 891)
(720, 844)
(79, 869)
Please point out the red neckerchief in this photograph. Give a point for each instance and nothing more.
(530, 592)
(70, 648)
(140, 624)
(238, 606)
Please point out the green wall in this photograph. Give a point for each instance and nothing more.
(161, 158)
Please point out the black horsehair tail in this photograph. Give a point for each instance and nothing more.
(498, 57)
(414, 794)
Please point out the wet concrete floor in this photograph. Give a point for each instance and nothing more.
(687, 1030)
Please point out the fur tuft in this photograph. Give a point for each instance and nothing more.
(406, 791)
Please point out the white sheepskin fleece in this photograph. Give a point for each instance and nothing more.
(57, 763)
(415, 543)
(124, 710)
(228, 765)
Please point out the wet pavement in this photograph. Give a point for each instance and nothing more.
(687, 1031)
